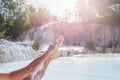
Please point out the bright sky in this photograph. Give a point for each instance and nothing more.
(57, 7)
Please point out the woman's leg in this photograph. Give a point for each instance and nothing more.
(4, 76)
(28, 70)
(45, 65)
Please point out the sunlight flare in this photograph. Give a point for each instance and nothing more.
(57, 7)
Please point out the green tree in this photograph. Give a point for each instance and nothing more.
(90, 9)
(67, 15)
(2, 27)
(104, 7)
(14, 16)
(42, 16)
(11, 8)
(17, 16)
(83, 10)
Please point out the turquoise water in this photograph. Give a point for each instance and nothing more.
(84, 68)
(76, 68)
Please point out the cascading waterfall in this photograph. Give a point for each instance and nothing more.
(16, 51)
(73, 33)
(76, 33)
(13, 51)
(45, 33)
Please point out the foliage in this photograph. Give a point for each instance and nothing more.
(84, 11)
(104, 50)
(10, 8)
(106, 7)
(16, 16)
(89, 44)
(42, 16)
(67, 15)
(89, 9)
(2, 27)
(10, 14)
(37, 44)
(112, 44)
(2, 35)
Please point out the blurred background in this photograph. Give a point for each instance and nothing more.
(90, 24)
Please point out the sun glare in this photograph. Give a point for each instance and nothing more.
(57, 7)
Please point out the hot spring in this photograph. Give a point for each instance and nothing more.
(91, 67)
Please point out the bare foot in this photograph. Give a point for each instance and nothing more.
(54, 47)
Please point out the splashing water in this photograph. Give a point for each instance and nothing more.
(76, 68)
(11, 51)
